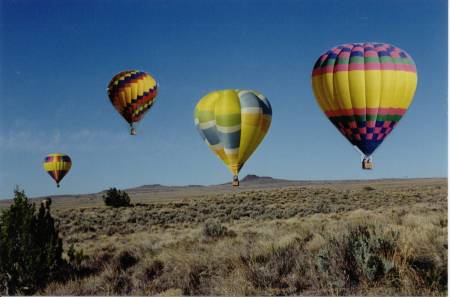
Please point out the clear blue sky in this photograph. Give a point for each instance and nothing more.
(57, 58)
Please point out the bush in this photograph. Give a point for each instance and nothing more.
(76, 257)
(125, 260)
(369, 188)
(373, 251)
(116, 198)
(31, 250)
(153, 271)
(116, 282)
(270, 269)
(281, 270)
(214, 229)
(362, 254)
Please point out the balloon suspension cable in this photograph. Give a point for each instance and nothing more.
(366, 160)
(359, 151)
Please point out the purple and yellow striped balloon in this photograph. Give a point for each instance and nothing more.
(132, 93)
(364, 89)
(57, 165)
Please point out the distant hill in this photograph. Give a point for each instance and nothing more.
(254, 178)
(249, 181)
(163, 193)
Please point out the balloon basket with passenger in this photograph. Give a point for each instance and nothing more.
(367, 163)
(132, 130)
(235, 182)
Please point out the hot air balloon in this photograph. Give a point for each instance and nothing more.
(233, 123)
(57, 166)
(132, 93)
(364, 89)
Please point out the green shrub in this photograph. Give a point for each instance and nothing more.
(213, 229)
(125, 260)
(373, 252)
(153, 271)
(31, 250)
(76, 257)
(363, 253)
(116, 198)
(369, 188)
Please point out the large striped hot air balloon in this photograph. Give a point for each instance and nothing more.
(57, 166)
(132, 93)
(364, 89)
(233, 123)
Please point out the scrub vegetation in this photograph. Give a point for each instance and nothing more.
(116, 198)
(327, 239)
(30, 247)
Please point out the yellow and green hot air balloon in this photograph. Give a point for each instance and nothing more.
(57, 166)
(364, 89)
(233, 123)
(132, 93)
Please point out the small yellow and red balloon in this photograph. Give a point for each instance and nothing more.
(132, 93)
(57, 166)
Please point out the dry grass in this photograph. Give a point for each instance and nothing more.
(309, 240)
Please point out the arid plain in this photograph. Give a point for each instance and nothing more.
(269, 237)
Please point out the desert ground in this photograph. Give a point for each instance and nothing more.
(269, 237)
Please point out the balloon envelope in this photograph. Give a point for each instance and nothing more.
(57, 165)
(233, 123)
(132, 93)
(364, 89)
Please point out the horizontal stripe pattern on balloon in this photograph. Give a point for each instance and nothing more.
(57, 165)
(132, 93)
(363, 85)
(233, 123)
(365, 56)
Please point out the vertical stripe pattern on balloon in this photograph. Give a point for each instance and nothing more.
(132, 93)
(57, 165)
(233, 123)
(364, 89)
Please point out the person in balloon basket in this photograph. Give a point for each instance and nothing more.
(367, 163)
